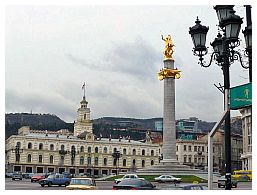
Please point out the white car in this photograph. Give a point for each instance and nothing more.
(127, 176)
(167, 178)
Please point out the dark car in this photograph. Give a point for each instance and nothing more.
(55, 179)
(8, 175)
(222, 181)
(185, 187)
(37, 177)
(134, 184)
(28, 175)
(16, 176)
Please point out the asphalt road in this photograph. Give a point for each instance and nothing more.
(25, 184)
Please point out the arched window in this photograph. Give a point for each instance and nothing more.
(105, 150)
(105, 161)
(152, 152)
(73, 148)
(40, 159)
(143, 152)
(134, 162)
(17, 157)
(89, 160)
(134, 152)
(51, 159)
(114, 149)
(81, 162)
(29, 145)
(62, 160)
(143, 163)
(82, 149)
(40, 146)
(124, 151)
(51, 146)
(96, 160)
(18, 144)
(114, 162)
(124, 163)
(29, 158)
(62, 147)
(152, 162)
(89, 149)
(96, 149)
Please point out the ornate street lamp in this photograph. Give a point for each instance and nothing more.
(224, 55)
(117, 155)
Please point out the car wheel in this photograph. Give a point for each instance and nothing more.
(60, 185)
(235, 185)
(67, 183)
(218, 186)
(42, 185)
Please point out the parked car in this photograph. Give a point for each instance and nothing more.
(127, 176)
(167, 178)
(8, 175)
(185, 187)
(37, 177)
(222, 181)
(134, 184)
(55, 179)
(81, 184)
(28, 175)
(16, 175)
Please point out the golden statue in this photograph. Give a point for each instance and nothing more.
(168, 51)
(169, 73)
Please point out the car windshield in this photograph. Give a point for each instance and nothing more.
(80, 182)
(50, 176)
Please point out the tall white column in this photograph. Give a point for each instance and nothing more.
(169, 124)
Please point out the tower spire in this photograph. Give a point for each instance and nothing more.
(84, 88)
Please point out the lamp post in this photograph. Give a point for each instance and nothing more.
(117, 155)
(224, 54)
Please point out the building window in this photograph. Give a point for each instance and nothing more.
(185, 159)
(152, 162)
(96, 149)
(62, 147)
(124, 151)
(81, 161)
(29, 145)
(199, 148)
(143, 152)
(114, 162)
(105, 150)
(134, 152)
(195, 160)
(202, 148)
(195, 148)
(152, 152)
(105, 161)
(189, 159)
(51, 159)
(40, 146)
(82, 149)
(62, 160)
(40, 159)
(124, 163)
(17, 157)
(89, 160)
(52, 147)
(177, 148)
(29, 158)
(185, 147)
(18, 144)
(114, 149)
(89, 149)
(96, 160)
(143, 163)
(134, 162)
(213, 149)
(189, 148)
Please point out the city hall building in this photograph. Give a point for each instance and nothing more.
(39, 151)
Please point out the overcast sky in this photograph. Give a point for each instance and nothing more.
(117, 50)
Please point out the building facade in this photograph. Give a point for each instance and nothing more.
(35, 151)
(246, 156)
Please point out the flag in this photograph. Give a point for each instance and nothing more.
(83, 86)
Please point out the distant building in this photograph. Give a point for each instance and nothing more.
(246, 156)
(158, 125)
(37, 151)
(190, 124)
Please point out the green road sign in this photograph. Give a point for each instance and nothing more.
(241, 96)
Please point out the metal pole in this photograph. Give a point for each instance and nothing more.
(225, 68)
(248, 23)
